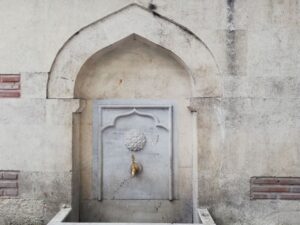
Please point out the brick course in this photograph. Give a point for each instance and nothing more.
(9, 183)
(282, 188)
(10, 86)
(12, 192)
(4, 78)
(9, 175)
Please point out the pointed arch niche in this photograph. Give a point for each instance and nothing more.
(135, 54)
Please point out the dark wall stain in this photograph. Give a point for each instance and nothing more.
(231, 39)
(152, 7)
(230, 10)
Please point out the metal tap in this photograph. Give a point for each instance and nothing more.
(135, 168)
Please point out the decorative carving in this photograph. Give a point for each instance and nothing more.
(135, 140)
(134, 111)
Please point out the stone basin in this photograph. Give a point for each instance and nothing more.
(62, 218)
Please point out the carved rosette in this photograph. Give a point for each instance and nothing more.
(135, 140)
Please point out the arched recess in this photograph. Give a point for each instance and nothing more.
(106, 34)
(135, 69)
(134, 19)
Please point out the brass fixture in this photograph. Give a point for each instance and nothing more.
(135, 168)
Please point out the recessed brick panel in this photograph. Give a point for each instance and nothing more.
(282, 188)
(9, 183)
(10, 86)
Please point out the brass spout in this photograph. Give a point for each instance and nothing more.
(135, 167)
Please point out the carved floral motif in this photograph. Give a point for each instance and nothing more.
(135, 140)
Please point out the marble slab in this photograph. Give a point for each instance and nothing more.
(139, 128)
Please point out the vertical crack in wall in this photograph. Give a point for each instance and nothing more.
(231, 39)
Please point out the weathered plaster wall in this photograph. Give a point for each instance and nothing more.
(252, 130)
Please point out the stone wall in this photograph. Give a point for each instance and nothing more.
(251, 129)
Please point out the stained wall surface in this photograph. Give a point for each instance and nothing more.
(251, 130)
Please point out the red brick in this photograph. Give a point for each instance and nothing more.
(10, 94)
(270, 188)
(9, 78)
(276, 180)
(11, 192)
(289, 196)
(295, 189)
(264, 196)
(10, 175)
(8, 184)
